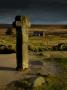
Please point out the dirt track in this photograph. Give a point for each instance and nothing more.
(7, 69)
(9, 74)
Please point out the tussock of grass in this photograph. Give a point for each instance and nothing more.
(54, 83)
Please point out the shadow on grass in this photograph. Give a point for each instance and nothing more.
(7, 69)
(7, 52)
(19, 85)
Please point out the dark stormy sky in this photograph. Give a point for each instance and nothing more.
(39, 11)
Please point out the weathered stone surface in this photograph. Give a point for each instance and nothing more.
(22, 24)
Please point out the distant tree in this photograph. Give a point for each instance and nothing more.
(9, 31)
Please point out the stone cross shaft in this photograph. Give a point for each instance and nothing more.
(22, 24)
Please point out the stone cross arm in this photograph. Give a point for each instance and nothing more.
(21, 21)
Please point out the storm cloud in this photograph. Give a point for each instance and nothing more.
(39, 11)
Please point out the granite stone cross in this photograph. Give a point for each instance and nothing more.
(21, 24)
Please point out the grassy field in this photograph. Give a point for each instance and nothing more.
(47, 41)
(35, 42)
(54, 62)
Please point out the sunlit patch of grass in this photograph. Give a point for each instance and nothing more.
(8, 43)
